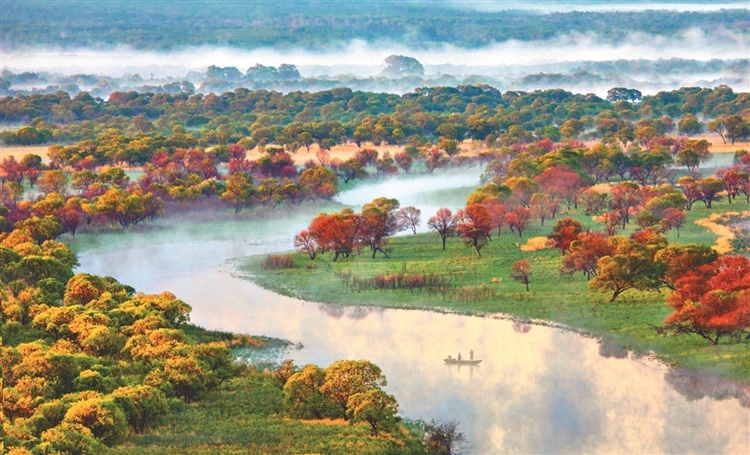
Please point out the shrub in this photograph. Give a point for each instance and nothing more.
(277, 262)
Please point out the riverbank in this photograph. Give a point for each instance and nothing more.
(482, 286)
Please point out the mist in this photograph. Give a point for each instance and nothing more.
(365, 59)
(567, 62)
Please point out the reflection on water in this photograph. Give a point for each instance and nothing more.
(351, 312)
(695, 385)
(538, 390)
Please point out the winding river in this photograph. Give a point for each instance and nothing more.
(538, 389)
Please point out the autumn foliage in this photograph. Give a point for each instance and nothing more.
(713, 300)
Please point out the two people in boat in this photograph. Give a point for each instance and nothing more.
(471, 355)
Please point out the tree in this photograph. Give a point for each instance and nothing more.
(306, 243)
(474, 226)
(629, 266)
(54, 181)
(540, 206)
(409, 217)
(128, 208)
(385, 166)
(303, 398)
(593, 201)
(102, 416)
(626, 197)
(712, 301)
(585, 253)
(404, 161)
(186, 375)
(397, 66)
(318, 182)
(285, 371)
(689, 125)
(450, 146)
(676, 260)
(339, 232)
(379, 222)
(70, 438)
(443, 438)
(674, 219)
(736, 127)
(708, 190)
(518, 219)
(564, 233)
(374, 407)
(143, 405)
(444, 223)
(345, 378)
(733, 182)
(623, 94)
(351, 169)
(560, 182)
(687, 158)
(521, 271)
(239, 191)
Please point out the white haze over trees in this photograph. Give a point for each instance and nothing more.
(567, 59)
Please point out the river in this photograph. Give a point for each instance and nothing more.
(537, 390)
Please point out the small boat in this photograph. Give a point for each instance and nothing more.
(451, 361)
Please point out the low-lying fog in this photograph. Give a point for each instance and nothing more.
(365, 59)
(505, 65)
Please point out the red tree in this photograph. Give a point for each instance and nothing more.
(379, 222)
(518, 220)
(338, 232)
(626, 197)
(713, 300)
(473, 224)
(560, 182)
(444, 223)
(585, 253)
(564, 233)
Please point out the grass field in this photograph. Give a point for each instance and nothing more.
(631, 320)
(243, 416)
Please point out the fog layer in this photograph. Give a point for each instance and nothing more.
(364, 59)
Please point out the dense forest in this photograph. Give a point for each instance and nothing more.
(300, 119)
(299, 23)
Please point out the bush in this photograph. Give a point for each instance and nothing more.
(277, 262)
(102, 416)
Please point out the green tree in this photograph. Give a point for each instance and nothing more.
(345, 378)
(70, 438)
(239, 191)
(144, 406)
(303, 398)
(630, 266)
(397, 66)
(102, 416)
(374, 407)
